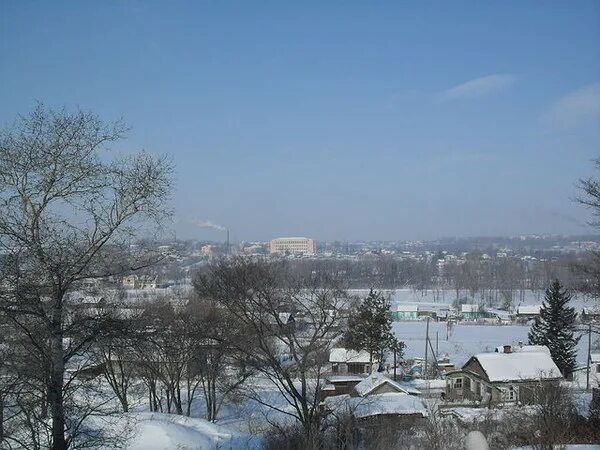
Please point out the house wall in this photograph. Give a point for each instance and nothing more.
(405, 315)
(476, 388)
(345, 387)
(358, 368)
(350, 368)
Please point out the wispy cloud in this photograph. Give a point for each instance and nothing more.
(479, 86)
(574, 108)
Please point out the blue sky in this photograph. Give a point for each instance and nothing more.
(335, 120)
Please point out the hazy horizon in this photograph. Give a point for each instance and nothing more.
(353, 121)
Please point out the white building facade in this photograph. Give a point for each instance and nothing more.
(299, 245)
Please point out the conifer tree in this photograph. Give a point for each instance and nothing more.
(370, 328)
(555, 328)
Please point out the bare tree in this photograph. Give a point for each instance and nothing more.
(215, 364)
(114, 352)
(291, 323)
(590, 198)
(68, 214)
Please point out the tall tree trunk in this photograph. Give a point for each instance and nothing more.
(1, 417)
(56, 379)
(124, 401)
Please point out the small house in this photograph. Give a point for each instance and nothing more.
(344, 361)
(590, 314)
(378, 400)
(406, 312)
(377, 383)
(471, 312)
(502, 377)
(527, 312)
(498, 316)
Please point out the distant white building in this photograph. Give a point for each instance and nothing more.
(297, 245)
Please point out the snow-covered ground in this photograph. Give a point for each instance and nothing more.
(155, 431)
(464, 340)
(569, 447)
(447, 296)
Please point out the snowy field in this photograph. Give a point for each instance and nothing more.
(464, 340)
(447, 296)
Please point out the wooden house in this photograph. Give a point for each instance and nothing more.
(379, 401)
(344, 361)
(590, 314)
(502, 377)
(406, 312)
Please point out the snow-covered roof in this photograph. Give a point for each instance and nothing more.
(593, 310)
(529, 309)
(469, 308)
(533, 348)
(404, 307)
(375, 405)
(519, 366)
(501, 314)
(373, 381)
(342, 355)
(344, 378)
(595, 357)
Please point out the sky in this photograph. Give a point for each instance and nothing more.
(337, 120)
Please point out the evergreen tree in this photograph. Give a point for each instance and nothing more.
(370, 328)
(555, 328)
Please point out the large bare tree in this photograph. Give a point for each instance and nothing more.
(290, 324)
(590, 198)
(69, 211)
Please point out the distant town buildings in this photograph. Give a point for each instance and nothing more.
(297, 245)
(140, 282)
(206, 250)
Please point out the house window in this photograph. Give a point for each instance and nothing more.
(511, 394)
(458, 383)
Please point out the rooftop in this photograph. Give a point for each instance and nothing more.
(529, 309)
(373, 381)
(519, 366)
(343, 355)
(380, 404)
(469, 308)
(404, 307)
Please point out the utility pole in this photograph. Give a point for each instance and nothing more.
(227, 241)
(395, 363)
(589, 358)
(437, 338)
(435, 360)
(426, 347)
